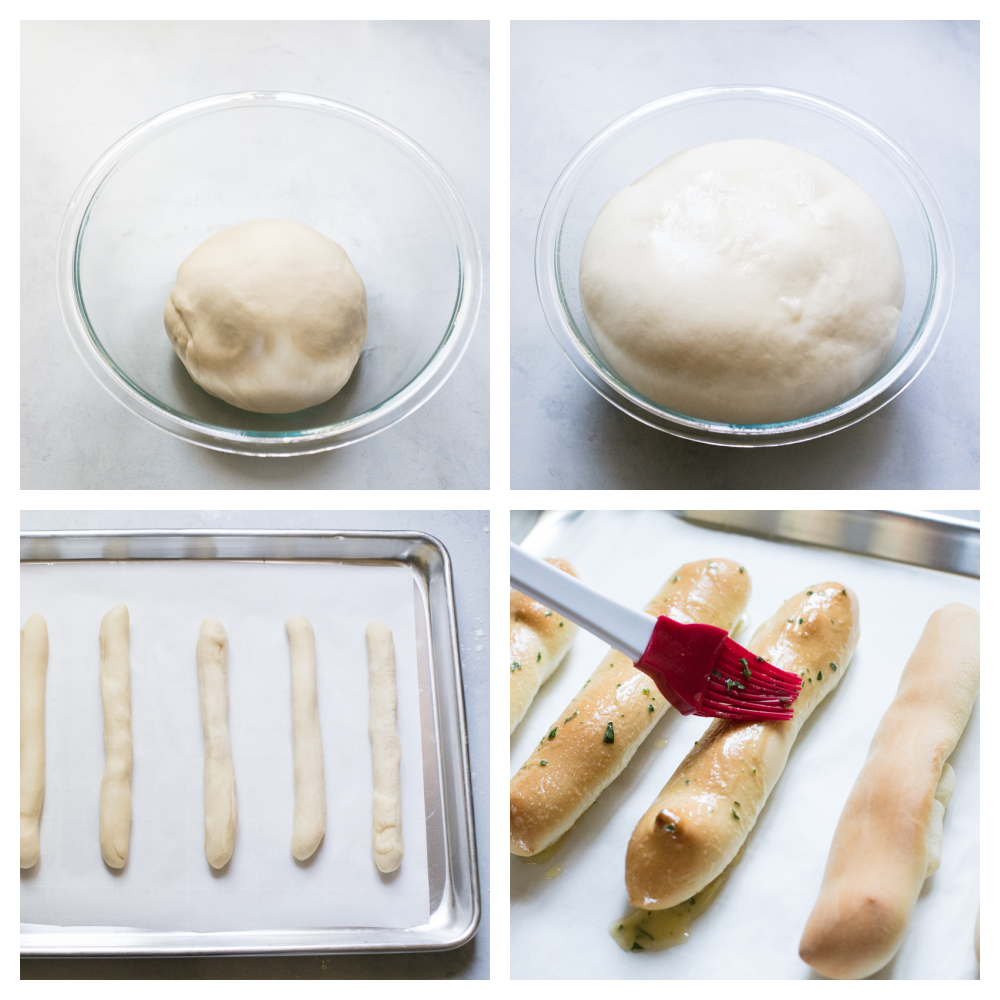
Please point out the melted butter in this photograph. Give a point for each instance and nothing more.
(546, 855)
(654, 930)
(554, 872)
(660, 744)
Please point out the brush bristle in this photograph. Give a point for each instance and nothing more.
(745, 686)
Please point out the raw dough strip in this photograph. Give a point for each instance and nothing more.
(34, 664)
(309, 822)
(116, 697)
(220, 778)
(707, 809)
(539, 640)
(387, 820)
(888, 839)
(594, 737)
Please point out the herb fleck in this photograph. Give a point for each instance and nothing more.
(833, 666)
(645, 691)
(609, 733)
(741, 569)
(552, 735)
(651, 708)
(560, 624)
(515, 666)
(538, 658)
(819, 676)
(759, 659)
(637, 947)
(736, 815)
(543, 762)
(573, 716)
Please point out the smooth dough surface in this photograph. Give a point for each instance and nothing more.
(116, 699)
(34, 666)
(744, 282)
(212, 654)
(270, 316)
(387, 817)
(309, 818)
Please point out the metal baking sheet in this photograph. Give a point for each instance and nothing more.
(559, 925)
(167, 900)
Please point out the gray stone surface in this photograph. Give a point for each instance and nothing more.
(918, 81)
(466, 536)
(85, 84)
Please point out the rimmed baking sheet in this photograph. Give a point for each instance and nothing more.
(168, 899)
(559, 926)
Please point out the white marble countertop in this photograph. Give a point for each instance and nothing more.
(918, 81)
(85, 84)
(466, 536)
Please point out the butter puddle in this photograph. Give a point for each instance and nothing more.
(543, 857)
(654, 930)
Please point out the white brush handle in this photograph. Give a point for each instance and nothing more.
(622, 628)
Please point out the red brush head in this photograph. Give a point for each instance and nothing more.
(680, 659)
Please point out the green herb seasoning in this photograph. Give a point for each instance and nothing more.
(755, 770)
(833, 666)
(651, 708)
(809, 593)
(548, 614)
(645, 691)
(844, 592)
(736, 815)
(538, 658)
(609, 733)
(669, 826)
(741, 569)
(738, 806)
(759, 659)
(544, 763)
(746, 670)
(800, 621)
(637, 947)
(688, 782)
(560, 624)
(573, 716)
(515, 666)
(552, 735)
(674, 579)
(819, 676)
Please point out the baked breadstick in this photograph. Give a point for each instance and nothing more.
(34, 665)
(593, 739)
(705, 812)
(116, 698)
(309, 819)
(220, 778)
(539, 639)
(387, 817)
(888, 839)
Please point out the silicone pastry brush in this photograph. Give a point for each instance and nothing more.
(698, 668)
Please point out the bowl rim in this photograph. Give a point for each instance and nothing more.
(402, 403)
(909, 364)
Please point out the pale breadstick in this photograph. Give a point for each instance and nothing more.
(309, 820)
(34, 665)
(539, 639)
(593, 739)
(888, 839)
(220, 778)
(116, 698)
(387, 820)
(705, 812)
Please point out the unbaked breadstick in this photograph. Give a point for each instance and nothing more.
(888, 839)
(309, 821)
(34, 664)
(116, 698)
(593, 739)
(704, 813)
(387, 821)
(220, 778)
(539, 639)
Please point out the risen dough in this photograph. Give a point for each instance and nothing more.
(34, 665)
(116, 699)
(270, 316)
(744, 282)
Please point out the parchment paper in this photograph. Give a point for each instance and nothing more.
(167, 883)
(559, 927)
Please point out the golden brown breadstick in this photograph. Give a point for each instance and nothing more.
(539, 640)
(888, 839)
(705, 812)
(593, 739)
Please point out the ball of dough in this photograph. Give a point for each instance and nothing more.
(270, 316)
(743, 282)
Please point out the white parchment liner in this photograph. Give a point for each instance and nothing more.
(168, 883)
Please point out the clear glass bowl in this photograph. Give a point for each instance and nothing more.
(640, 140)
(168, 185)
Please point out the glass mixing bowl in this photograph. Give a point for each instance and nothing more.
(168, 185)
(638, 141)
